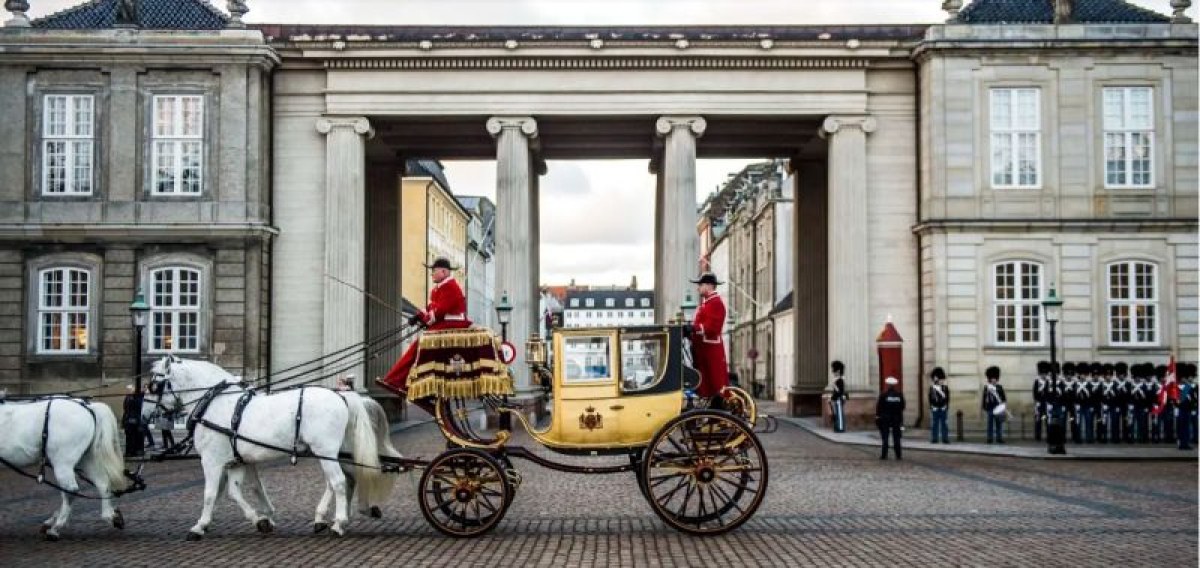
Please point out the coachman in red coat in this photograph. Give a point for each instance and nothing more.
(708, 344)
(447, 309)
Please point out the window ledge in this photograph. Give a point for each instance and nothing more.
(43, 358)
(1134, 348)
(1015, 348)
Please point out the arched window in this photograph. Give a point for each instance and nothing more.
(63, 310)
(1132, 303)
(1016, 301)
(175, 309)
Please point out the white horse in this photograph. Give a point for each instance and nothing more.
(327, 422)
(78, 435)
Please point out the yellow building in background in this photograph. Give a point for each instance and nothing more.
(432, 224)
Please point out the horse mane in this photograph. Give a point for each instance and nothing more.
(197, 368)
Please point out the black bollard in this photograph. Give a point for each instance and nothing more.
(958, 416)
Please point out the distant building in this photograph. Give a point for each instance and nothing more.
(433, 224)
(595, 308)
(480, 260)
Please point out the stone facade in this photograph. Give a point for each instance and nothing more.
(1073, 224)
(121, 228)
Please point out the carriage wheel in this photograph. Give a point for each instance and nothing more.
(739, 403)
(705, 473)
(464, 492)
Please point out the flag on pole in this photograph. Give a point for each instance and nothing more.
(1169, 390)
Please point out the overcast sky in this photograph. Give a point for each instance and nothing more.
(597, 216)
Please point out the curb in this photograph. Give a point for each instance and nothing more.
(863, 439)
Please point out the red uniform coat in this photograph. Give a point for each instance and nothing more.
(708, 346)
(447, 309)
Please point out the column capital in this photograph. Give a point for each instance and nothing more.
(665, 124)
(527, 125)
(359, 124)
(835, 122)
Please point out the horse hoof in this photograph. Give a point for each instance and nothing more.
(42, 529)
(319, 528)
(375, 512)
(118, 520)
(194, 536)
(339, 531)
(51, 537)
(264, 526)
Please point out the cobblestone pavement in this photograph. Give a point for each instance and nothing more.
(827, 504)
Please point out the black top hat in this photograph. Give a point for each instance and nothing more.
(707, 278)
(441, 262)
(992, 372)
(837, 366)
(938, 373)
(1043, 367)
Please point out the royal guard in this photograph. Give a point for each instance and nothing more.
(708, 345)
(447, 309)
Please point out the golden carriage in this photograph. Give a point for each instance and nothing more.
(609, 391)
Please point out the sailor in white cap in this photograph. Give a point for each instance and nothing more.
(889, 415)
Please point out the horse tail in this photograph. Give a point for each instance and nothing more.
(372, 484)
(105, 450)
(382, 427)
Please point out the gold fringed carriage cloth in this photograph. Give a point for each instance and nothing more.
(459, 363)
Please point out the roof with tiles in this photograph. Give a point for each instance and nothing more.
(1042, 12)
(151, 15)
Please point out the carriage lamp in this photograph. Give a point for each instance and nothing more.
(535, 351)
(138, 312)
(688, 308)
(504, 315)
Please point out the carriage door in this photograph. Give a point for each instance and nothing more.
(588, 412)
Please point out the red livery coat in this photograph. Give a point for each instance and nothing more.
(708, 346)
(447, 309)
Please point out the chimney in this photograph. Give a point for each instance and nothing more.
(1064, 11)
(633, 283)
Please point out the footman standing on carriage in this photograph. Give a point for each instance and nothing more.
(447, 309)
(708, 347)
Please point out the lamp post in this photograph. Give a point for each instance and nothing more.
(504, 315)
(1052, 311)
(138, 311)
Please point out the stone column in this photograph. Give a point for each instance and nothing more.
(677, 248)
(849, 332)
(516, 227)
(809, 233)
(345, 234)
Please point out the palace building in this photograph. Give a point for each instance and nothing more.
(247, 178)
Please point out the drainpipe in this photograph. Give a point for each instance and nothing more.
(921, 399)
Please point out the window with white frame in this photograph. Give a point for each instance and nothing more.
(175, 309)
(590, 302)
(645, 302)
(1132, 303)
(177, 144)
(628, 302)
(610, 302)
(1128, 137)
(67, 144)
(1016, 137)
(1017, 297)
(62, 311)
(574, 302)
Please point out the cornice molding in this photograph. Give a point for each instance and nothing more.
(589, 63)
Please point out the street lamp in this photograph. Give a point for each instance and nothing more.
(138, 312)
(1052, 311)
(504, 315)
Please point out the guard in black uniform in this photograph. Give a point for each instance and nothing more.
(993, 396)
(939, 407)
(1091, 402)
(1141, 403)
(1041, 384)
(1056, 415)
(1070, 398)
(837, 399)
(1119, 414)
(889, 416)
(1108, 397)
(1154, 387)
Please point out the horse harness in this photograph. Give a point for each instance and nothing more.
(235, 422)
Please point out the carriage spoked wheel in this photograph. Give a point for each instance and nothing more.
(464, 492)
(705, 472)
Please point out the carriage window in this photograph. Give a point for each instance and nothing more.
(586, 359)
(642, 360)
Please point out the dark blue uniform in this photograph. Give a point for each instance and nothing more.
(889, 416)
